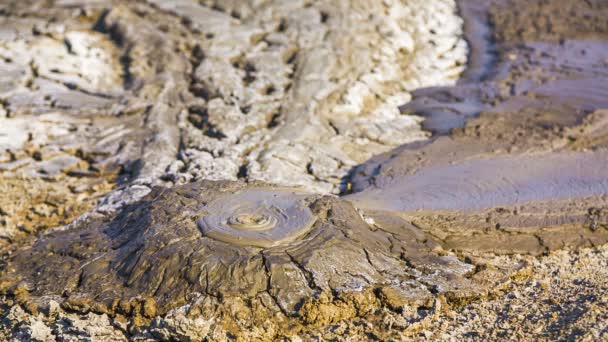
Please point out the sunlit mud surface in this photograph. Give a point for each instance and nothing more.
(171, 169)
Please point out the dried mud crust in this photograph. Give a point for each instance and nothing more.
(90, 92)
(152, 260)
(30, 206)
(150, 92)
(564, 296)
(75, 115)
(296, 93)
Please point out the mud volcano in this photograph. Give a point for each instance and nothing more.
(296, 168)
(311, 259)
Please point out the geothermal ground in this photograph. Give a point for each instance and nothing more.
(303, 170)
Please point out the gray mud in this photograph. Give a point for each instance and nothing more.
(500, 181)
(520, 143)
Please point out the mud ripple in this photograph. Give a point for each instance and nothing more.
(258, 217)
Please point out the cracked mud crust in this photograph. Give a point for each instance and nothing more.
(476, 199)
(30, 206)
(151, 259)
(296, 93)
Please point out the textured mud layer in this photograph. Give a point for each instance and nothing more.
(153, 92)
(152, 258)
(30, 206)
(76, 116)
(298, 92)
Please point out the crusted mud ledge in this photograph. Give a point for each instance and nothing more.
(171, 170)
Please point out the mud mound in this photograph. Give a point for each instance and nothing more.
(153, 257)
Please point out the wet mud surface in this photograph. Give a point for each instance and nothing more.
(203, 143)
(519, 149)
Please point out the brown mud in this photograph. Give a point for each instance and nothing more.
(515, 169)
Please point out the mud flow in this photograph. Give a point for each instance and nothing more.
(259, 170)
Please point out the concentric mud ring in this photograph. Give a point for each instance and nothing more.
(258, 217)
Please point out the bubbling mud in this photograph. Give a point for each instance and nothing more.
(258, 217)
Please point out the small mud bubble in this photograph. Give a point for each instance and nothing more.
(252, 222)
(258, 217)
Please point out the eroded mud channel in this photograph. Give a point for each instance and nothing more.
(257, 170)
